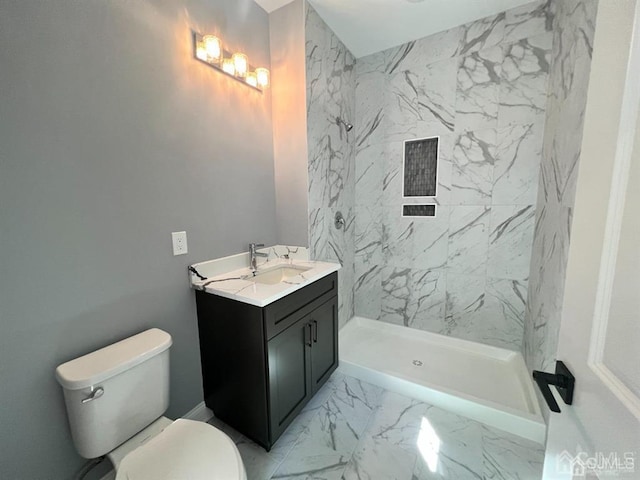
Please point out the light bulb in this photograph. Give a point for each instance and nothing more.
(240, 63)
(228, 66)
(201, 52)
(252, 79)
(213, 47)
(262, 75)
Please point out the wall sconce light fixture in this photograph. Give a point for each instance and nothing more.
(209, 49)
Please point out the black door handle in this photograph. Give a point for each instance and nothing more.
(307, 334)
(564, 382)
(315, 331)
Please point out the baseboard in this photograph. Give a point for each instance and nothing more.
(199, 413)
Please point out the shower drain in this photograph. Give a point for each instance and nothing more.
(417, 363)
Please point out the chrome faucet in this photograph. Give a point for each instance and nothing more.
(253, 255)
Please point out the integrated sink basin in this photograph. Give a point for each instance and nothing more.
(278, 274)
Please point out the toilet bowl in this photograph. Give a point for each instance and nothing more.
(116, 398)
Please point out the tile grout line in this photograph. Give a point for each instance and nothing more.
(361, 439)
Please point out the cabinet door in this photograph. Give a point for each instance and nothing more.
(324, 350)
(289, 383)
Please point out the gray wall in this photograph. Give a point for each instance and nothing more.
(481, 88)
(573, 30)
(330, 83)
(111, 137)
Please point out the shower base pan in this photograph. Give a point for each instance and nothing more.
(484, 383)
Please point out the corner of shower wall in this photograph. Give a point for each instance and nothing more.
(330, 92)
(573, 32)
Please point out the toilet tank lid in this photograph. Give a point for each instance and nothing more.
(96, 367)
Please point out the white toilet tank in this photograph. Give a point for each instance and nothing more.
(113, 393)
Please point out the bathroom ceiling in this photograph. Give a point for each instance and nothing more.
(369, 26)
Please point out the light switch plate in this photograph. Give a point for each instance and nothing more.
(179, 240)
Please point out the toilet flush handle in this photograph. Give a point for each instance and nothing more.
(97, 393)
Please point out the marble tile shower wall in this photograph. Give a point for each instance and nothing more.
(573, 27)
(482, 89)
(330, 70)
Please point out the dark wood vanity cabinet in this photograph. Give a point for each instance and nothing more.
(261, 365)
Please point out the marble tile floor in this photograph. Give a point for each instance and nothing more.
(355, 430)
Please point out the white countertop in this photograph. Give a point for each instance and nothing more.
(231, 276)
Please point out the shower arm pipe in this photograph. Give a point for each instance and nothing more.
(347, 126)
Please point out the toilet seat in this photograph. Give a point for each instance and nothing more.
(185, 450)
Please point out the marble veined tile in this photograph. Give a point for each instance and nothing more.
(318, 234)
(550, 256)
(367, 288)
(481, 34)
(431, 240)
(434, 84)
(486, 310)
(503, 319)
(450, 447)
(316, 467)
(397, 237)
(333, 433)
(510, 241)
(465, 305)
(468, 239)
(398, 438)
(523, 86)
(478, 88)
(573, 30)
(369, 172)
(368, 234)
(401, 106)
(397, 421)
(427, 50)
(373, 63)
(527, 21)
(414, 298)
(370, 125)
(396, 295)
(388, 447)
(474, 156)
(424, 94)
(507, 457)
(517, 165)
(392, 174)
(368, 262)
(563, 139)
(379, 460)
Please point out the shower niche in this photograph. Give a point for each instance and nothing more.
(420, 176)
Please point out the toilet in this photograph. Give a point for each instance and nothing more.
(116, 398)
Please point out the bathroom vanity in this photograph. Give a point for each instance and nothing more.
(267, 344)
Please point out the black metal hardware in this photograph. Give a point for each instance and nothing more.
(308, 335)
(315, 331)
(195, 272)
(564, 382)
